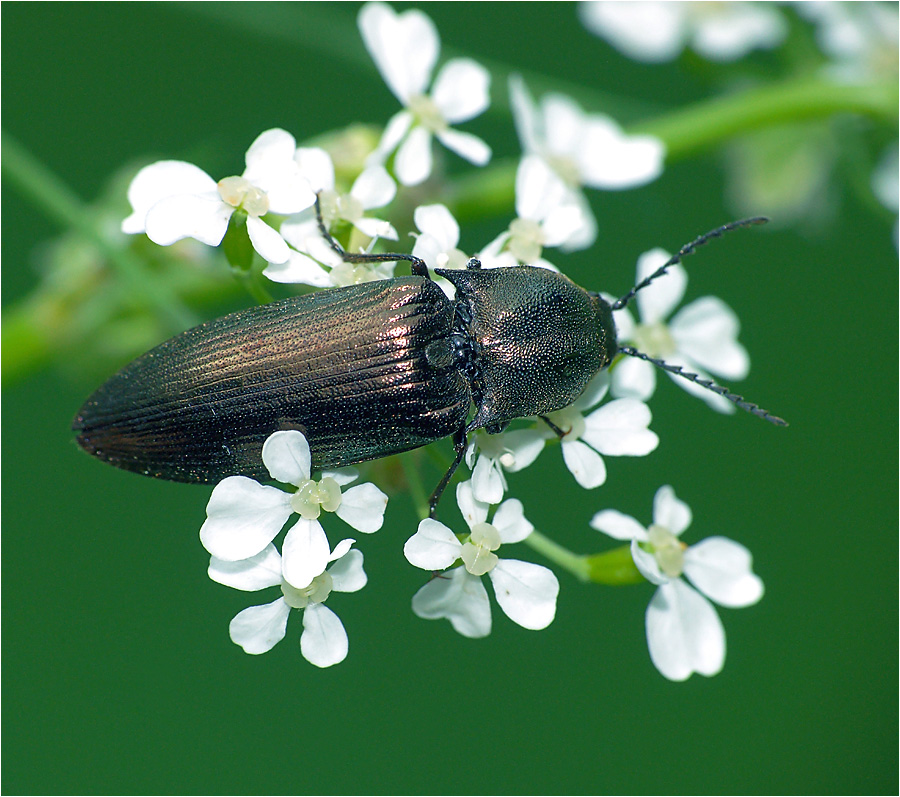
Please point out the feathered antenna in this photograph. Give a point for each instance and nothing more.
(688, 249)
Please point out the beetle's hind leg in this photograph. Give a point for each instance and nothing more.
(416, 264)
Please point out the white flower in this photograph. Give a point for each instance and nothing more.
(701, 337)
(860, 38)
(172, 200)
(259, 628)
(547, 215)
(659, 31)
(525, 592)
(684, 633)
(583, 150)
(507, 451)
(405, 49)
(373, 188)
(437, 242)
(617, 429)
(243, 516)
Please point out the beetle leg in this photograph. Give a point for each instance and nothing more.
(460, 443)
(416, 264)
(554, 428)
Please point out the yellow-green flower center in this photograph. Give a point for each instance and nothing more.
(526, 240)
(316, 592)
(477, 552)
(667, 549)
(241, 193)
(312, 497)
(427, 113)
(655, 340)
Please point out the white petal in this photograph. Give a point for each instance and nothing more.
(669, 511)
(466, 145)
(250, 575)
(305, 553)
(618, 525)
(633, 378)
(347, 573)
(473, 510)
(594, 392)
(565, 125)
(510, 522)
(374, 188)
(526, 592)
(362, 507)
(538, 188)
(316, 166)
(619, 429)
(270, 147)
(585, 464)
(525, 446)
(203, 218)
(525, 114)
(437, 222)
(706, 331)
(298, 268)
(459, 597)
(376, 228)
(242, 518)
(488, 483)
(286, 455)
(266, 241)
(684, 633)
(413, 161)
(342, 476)
(563, 224)
(723, 570)
(717, 402)
(341, 549)
(324, 640)
(737, 29)
(161, 180)
(460, 90)
(394, 132)
(646, 31)
(647, 564)
(586, 234)
(661, 297)
(611, 160)
(404, 47)
(432, 547)
(260, 628)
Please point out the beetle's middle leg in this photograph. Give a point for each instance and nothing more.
(416, 264)
(460, 443)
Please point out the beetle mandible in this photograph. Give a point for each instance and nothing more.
(365, 371)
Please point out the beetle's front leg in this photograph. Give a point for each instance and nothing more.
(460, 443)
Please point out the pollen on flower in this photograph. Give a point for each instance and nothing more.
(667, 549)
(477, 553)
(239, 192)
(312, 497)
(316, 592)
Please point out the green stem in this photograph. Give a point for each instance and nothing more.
(61, 204)
(416, 488)
(708, 124)
(576, 564)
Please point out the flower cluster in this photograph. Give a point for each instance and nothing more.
(288, 193)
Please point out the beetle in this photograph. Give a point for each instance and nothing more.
(365, 371)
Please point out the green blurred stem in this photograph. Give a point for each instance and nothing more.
(556, 553)
(416, 488)
(708, 124)
(59, 203)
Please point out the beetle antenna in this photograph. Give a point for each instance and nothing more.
(417, 265)
(734, 398)
(687, 249)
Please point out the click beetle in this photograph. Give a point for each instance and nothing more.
(364, 371)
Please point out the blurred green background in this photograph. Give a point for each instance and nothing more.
(118, 672)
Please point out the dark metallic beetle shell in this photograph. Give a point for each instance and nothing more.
(363, 371)
(538, 340)
(347, 367)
